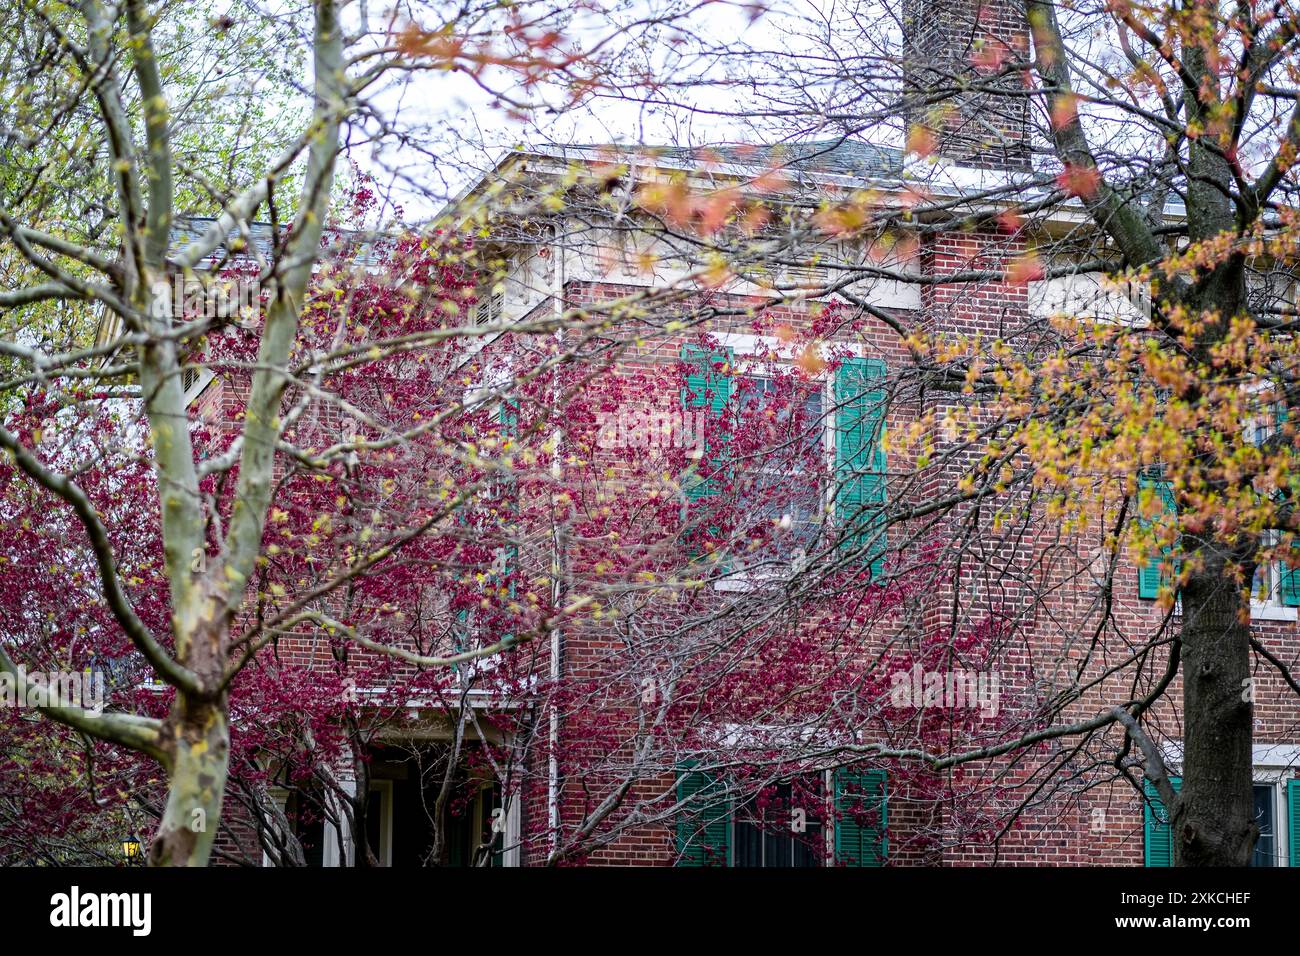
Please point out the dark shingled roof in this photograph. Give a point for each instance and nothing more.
(188, 228)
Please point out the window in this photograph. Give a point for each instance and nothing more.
(782, 826)
(784, 448)
(1275, 589)
(194, 379)
(1276, 802)
(1266, 818)
(840, 815)
(488, 309)
(804, 447)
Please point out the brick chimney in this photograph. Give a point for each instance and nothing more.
(951, 45)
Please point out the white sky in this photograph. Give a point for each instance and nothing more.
(466, 130)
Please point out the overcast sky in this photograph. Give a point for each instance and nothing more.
(466, 128)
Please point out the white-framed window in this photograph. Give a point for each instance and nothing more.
(790, 487)
(1266, 601)
(811, 818)
(1274, 783)
(792, 472)
(1266, 589)
(1270, 816)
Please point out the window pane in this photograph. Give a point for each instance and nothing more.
(808, 850)
(1264, 849)
(747, 844)
(784, 444)
(776, 846)
(1261, 586)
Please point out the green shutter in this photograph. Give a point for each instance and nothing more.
(508, 416)
(1159, 835)
(510, 559)
(704, 823)
(861, 817)
(1289, 579)
(859, 458)
(1293, 820)
(1150, 577)
(708, 386)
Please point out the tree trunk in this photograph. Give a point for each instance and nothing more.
(1213, 821)
(198, 733)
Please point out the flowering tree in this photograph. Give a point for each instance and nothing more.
(395, 490)
(1091, 390)
(141, 97)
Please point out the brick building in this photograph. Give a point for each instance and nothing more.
(1069, 625)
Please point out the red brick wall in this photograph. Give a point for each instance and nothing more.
(1077, 814)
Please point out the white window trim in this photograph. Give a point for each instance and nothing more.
(1259, 611)
(1272, 608)
(1272, 612)
(753, 354)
